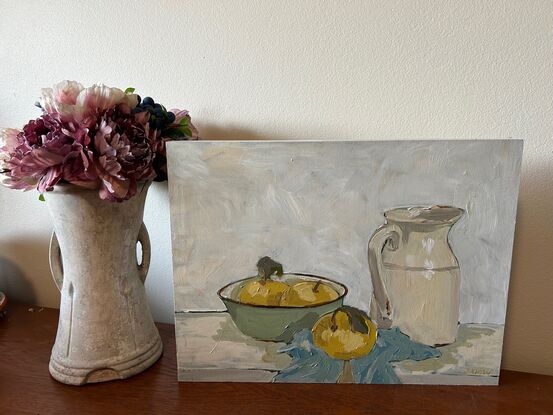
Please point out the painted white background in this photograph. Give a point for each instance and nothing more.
(314, 206)
(305, 70)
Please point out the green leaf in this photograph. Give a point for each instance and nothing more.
(185, 132)
(129, 90)
(177, 132)
(41, 198)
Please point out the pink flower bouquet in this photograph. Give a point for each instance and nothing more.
(98, 137)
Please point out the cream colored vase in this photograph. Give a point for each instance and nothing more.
(415, 275)
(105, 328)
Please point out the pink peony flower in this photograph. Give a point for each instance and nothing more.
(37, 158)
(66, 92)
(181, 115)
(61, 98)
(8, 142)
(99, 98)
(72, 102)
(124, 157)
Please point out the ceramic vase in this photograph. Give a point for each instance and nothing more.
(105, 330)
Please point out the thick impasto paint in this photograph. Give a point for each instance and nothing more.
(356, 261)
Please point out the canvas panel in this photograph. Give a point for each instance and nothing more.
(312, 207)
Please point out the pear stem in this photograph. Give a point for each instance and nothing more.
(347, 373)
(316, 287)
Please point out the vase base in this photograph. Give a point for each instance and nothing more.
(71, 375)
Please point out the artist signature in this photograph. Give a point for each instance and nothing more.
(479, 371)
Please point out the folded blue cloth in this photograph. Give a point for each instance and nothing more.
(312, 365)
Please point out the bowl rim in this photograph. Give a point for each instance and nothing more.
(303, 274)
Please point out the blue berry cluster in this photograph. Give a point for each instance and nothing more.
(160, 118)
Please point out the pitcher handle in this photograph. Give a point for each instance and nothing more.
(56, 263)
(144, 240)
(386, 234)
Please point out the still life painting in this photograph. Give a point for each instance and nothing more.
(342, 261)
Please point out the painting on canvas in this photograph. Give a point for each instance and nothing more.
(342, 261)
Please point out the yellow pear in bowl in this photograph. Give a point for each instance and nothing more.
(347, 333)
(263, 290)
(308, 293)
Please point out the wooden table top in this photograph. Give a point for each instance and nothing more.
(26, 387)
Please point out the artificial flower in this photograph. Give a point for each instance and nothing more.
(97, 137)
(8, 142)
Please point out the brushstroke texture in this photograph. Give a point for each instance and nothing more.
(313, 205)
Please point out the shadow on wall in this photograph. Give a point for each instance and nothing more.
(528, 336)
(15, 279)
(230, 132)
(159, 283)
(13, 282)
(235, 133)
(217, 132)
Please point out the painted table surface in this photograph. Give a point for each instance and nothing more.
(26, 339)
(212, 347)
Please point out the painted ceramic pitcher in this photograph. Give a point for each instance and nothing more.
(415, 275)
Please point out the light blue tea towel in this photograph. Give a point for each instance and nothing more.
(311, 364)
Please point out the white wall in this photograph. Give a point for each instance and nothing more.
(306, 70)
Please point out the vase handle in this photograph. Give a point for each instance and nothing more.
(56, 264)
(381, 309)
(144, 240)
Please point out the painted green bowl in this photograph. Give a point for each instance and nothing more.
(277, 323)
